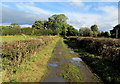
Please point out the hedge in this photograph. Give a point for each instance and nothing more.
(20, 50)
(106, 48)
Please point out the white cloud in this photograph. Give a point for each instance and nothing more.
(30, 7)
(82, 20)
(77, 2)
(22, 16)
(105, 21)
(26, 25)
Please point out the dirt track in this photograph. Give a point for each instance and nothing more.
(59, 60)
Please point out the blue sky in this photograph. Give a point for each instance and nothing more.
(80, 14)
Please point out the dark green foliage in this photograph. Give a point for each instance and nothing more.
(38, 24)
(107, 34)
(28, 31)
(15, 25)
(71, 31)
(113, 32)
(85, 32)
(104, 67)
(11, 31)
(57, 22)
(108, 49)
(104, 34)
(56, 25)
(94, 28)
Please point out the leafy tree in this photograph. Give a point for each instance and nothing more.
(102, 34)
(107, 34)
(113, 32)
(95, 34)
(71, 31)
(85, 32)
(15, 25)
(38, 24)
(57, 22)
(45, 23)
(94, 28)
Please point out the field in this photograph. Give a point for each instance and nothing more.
(15, 38)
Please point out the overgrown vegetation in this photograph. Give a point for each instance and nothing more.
(108, 49)
(72, 73)
(16, 56)
(69, 71)
(104, 65)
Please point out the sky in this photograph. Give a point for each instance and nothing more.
(80, 14)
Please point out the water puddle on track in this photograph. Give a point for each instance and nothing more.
(53, 65)
(76, 61)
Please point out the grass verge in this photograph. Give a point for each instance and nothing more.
(69, 71)
(72, 73)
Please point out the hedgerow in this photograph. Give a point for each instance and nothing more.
(28, 31)
(106, 48)
(101, 54)
(19, 51)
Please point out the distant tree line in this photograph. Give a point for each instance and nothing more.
(57, 25)
(93, 31)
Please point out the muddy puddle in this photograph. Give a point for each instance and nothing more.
(53, 65)
(76, 61)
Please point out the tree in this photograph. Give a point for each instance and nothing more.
(85, 32)
(95, 34)
(38, 24)
(57, 22)
(71, 31)
(102, 34)
(15, 25)
(106, 34)
(94, 28)
(116, 31)
(45, 23)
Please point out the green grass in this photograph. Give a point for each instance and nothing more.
(70, 72)
(15, 38)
